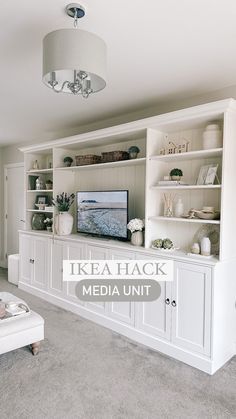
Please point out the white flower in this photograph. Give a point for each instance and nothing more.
(135, 225)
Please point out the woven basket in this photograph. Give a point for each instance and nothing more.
(114, 156)
(87, 159)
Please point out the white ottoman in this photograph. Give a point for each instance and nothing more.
(22, 330)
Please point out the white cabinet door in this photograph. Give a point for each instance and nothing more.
(26, 258)
(96, 253)
(56, 285)
(154, 317)
(74, 251)
(191, 307)
(40, 262)
(122, 311)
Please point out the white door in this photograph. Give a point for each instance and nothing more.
(122, 311)
(191, 307)
(14, 206)
(40, 262)
(26, 259)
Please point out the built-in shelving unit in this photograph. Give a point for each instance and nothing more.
(141, 176)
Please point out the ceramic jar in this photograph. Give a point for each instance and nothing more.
(63, 223)
(205, 246)
(137, 238)
(212, 137)
(37, 222)
(179, 208)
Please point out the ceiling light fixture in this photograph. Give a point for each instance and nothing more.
(74, 61)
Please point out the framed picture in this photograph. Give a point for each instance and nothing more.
(203, 174)
(211, 175)
(41, 199)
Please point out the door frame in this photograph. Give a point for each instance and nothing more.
(6, 168)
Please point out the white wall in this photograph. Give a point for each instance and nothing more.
(11, 154)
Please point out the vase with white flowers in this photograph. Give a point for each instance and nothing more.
(63, 220)
(136, 227)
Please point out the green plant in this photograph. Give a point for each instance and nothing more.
(63, 201)
(167, 244)
(68, 159)
(157, 243)
(133, 149)
(176, 172)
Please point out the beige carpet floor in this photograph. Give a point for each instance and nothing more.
(85, 371)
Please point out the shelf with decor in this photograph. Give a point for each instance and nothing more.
(42, 211)
(186, 187)
(190, 155)
(120, 163)
(184, 220)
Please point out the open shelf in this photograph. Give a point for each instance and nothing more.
(184, 220)
(190, 155)
(35, 210)
(133, 162)
(38, 171)
(39, 190)
(185, 187)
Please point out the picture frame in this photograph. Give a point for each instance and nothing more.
(211, 175)
(41, 199)
(203, 174)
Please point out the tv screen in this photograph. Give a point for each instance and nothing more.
(103, 213)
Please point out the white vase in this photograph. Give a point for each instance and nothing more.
(137, 238)
(179, 208)
(63, 223)
(205, 246)
(212, 137)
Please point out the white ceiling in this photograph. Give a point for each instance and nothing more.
(158, 51)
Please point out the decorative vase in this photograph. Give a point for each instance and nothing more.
(205, 246)
(195, 248)
(179, 208)
(63, 223)
(212, 137)
(49, 228)
(137, 238)
(39, 184)
(37, 222)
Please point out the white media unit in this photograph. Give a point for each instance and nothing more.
(200, 328)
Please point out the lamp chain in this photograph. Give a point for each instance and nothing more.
(76, 18)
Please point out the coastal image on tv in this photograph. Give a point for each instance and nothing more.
(103, 213)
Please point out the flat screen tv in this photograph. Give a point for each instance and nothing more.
(103, 213)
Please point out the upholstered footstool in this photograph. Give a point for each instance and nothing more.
(22, 330)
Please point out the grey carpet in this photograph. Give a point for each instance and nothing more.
(85, 371)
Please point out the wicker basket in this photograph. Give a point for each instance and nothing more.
(87, 159)
(114, 156)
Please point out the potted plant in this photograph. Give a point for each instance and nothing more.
(176, 174)
(133, 152)
(48, 222)
(68, 161)
(48, 184)
(136, 227)
(63, 220)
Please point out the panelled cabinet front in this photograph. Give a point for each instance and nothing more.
(26, 257)
(191, 307)
(97, 253)
(58, 253)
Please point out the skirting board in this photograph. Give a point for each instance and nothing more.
(202, 363)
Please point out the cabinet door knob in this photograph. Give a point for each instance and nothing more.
(31, 260)
(173, 303)
(167, 301)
